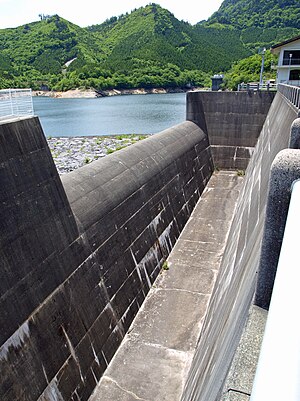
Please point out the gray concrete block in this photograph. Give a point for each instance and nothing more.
(153, 323)
(197, 279)
(125, 377)
(242, 371)
(112, 390)
(231, 157)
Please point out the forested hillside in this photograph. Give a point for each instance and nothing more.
(146, 48)
(242, 14)
(261, 23)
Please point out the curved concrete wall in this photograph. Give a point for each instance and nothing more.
(78, 259)
(235, 285)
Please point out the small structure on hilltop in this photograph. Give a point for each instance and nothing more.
(288, 68)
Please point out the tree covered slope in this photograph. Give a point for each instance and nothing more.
(148, 47)
(242, 14)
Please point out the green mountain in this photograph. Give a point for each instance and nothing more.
(261, 23)
(46, 45)
(152, 33)
(254, 13)
(146, 48)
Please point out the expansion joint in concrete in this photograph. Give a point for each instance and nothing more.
(136, 397)
(234, 390)
(169, 349)
(186, 291)
(199, 242)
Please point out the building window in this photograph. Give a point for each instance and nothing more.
(291, 57)
(294, 75)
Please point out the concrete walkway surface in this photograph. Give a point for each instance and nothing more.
(153, 360)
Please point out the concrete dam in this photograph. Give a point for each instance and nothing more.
(146, 275)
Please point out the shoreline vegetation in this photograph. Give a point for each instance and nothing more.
(91, 93)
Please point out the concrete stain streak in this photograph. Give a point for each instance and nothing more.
(94, 376)
(15, 341)
(151, 254)
(52, 392)
(104, 357)
(95, 355)
(73, 353)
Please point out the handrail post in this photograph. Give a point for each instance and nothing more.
(11, 103)
(16, 102)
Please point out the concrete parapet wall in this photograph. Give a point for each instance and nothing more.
(235, 286)
(79, 256)
(233, 121)
(37, 229)
(285, 170)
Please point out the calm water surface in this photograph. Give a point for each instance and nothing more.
(138, 114)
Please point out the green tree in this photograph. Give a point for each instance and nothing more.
(248, 70)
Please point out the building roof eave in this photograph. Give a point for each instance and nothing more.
(276, 48)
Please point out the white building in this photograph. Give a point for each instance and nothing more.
(288, 69)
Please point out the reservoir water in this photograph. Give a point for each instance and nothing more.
(131, 114)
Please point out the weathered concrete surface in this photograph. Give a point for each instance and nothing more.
(235, 285)
(37, 228)
(233, 120)
(78, 260)
(242, 371)
(73, 278)
(155, 356)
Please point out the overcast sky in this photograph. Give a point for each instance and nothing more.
(88, 12)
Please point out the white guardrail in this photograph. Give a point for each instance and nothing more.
(15, 103)
(278, 372)
(256, 86)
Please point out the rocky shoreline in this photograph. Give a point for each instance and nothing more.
(70, 153)
(91, 93)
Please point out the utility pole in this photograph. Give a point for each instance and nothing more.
(262, 67)
(290, 62)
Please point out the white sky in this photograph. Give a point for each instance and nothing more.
(88, 12)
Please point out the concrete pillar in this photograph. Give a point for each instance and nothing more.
(195, 111)
(295, 134)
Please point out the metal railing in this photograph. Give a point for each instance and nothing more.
(292, 61)
(255, 86)
(294, 82)
(15, 103)
(291, 93)
(278, 372)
